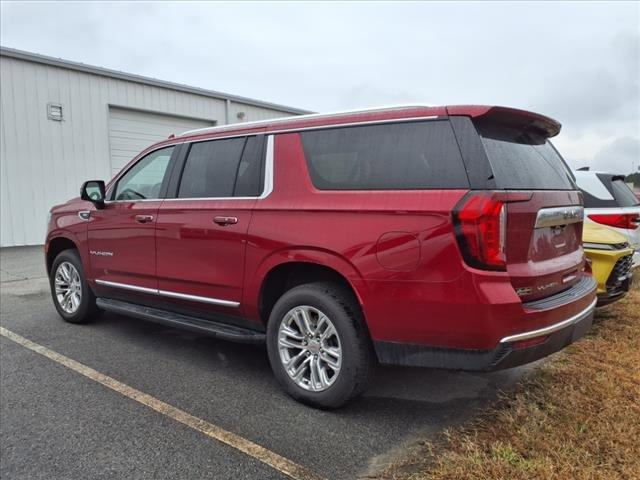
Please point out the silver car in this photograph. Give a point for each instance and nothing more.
(609, 201)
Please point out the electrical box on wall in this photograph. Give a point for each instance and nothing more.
(54, 111)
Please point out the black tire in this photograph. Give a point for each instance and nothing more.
(87, 309)
(358, 361)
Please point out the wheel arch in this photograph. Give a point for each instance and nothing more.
(285, 270)
(57, 245)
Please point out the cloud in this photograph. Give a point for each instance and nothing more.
(578, 62)
(605, 89)
(619, 156)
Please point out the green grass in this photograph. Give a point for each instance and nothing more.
(576, 417)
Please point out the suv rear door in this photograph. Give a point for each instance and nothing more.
(542, 205)
(202, 227)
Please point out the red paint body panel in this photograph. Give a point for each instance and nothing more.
(114, 230)
(396, 248)
(197, 256)
(341, 229)
(66, 224)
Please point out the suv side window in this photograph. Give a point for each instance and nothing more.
(250, 180)
(402, 156)
(144, 180)
(222, 168)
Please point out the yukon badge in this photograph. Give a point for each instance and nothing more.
(542, 288)
(101, 254)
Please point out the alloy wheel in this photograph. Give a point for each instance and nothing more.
(68, 287)
(310, 348)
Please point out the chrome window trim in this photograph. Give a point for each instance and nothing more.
(166, 293)
(551, 328)
(107, 202)
(267, 187)
(268, 169)
(551, 217)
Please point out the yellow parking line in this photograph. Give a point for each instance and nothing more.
(275, 461)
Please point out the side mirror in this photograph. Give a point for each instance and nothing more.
(93, 191)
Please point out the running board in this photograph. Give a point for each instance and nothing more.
(184, 322)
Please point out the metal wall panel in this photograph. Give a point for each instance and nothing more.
(131, 131)
(43, 161)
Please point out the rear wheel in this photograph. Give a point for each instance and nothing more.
(318, 346)
(71, 294)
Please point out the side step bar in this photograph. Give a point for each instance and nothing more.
(184, 322)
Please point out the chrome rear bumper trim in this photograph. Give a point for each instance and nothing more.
(551, 328)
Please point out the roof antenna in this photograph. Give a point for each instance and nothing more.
(583, 169)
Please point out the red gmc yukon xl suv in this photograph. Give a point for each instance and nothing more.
(446, 237)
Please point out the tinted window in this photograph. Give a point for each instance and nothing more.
(144, 179)
(249, 182)
(524, 160)
(211, 168)
(420, 155)
(623, 195)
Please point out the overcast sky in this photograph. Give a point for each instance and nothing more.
(577, 62)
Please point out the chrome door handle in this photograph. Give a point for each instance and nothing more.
(144, 218)
(224, 221)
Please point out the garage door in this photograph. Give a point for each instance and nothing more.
(131, 131)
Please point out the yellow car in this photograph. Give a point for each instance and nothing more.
(611, 260)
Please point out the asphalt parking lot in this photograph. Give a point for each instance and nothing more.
(57, 423)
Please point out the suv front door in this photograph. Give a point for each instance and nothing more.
(121, 236)
(201, 231)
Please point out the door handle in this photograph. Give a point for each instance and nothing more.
(224, 221)
(144, 218)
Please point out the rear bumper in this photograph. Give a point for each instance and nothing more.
(610, 296)
(511, 351)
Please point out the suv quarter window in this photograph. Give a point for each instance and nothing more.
(250, 177)
(394, 156)
(143, 181)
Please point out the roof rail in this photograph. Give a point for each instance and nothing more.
(257, 123)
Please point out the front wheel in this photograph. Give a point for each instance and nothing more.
(318, 346)
(72, 297)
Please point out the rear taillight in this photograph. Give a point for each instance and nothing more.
(618, 220)
(480, 221)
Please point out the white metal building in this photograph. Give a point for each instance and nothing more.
(62, 123)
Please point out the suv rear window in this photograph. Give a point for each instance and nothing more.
(524, 160)
(400, 156)
(621, 192)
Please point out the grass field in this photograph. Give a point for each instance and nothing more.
(577, 416)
